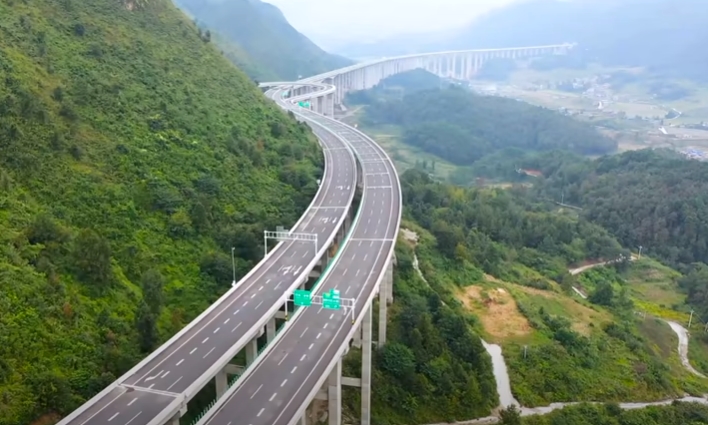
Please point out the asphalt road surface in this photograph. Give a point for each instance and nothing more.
(146, 393)
(280, 384)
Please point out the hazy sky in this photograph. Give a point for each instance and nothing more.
(373, 19)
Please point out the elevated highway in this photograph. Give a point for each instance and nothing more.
(302, 362)
(278, 388)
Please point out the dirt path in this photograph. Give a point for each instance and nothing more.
(682, 334)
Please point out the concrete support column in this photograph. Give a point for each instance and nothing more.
(222, 383)
(366, 368)
(383, 307)
(270, 330)
(389, 283)
(174, 420)
(356, 340)
(251, 351)
(334, 395)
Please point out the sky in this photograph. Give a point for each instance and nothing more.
(348, 20)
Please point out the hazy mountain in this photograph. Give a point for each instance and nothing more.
(273, 48)
(664, 35)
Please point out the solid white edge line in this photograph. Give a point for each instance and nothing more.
(244, 376)
(350, 335)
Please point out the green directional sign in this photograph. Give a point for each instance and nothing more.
(304, 104)
(302, 298)
(331, 300)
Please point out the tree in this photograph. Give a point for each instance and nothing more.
(604, 294)
(152, 283)
(92, 257)
(510, 416)
(146, 325)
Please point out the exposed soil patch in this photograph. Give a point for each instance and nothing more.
(497, 311)
(46, 419)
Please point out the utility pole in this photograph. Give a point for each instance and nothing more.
(640, 253)
(690, 318)
(233, 265)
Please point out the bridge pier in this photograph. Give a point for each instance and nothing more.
(334, 395)
(222, 383)
(366, 367)
(270, 330)
(174, 420)
(251, 351)
(356, 340)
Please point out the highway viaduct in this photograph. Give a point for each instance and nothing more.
(289, 363)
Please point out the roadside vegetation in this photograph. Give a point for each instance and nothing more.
(510, 283)
(677, 413)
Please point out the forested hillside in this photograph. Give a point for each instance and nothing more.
(491, 242)
(133, 156)
(274, 49)
(654, 199)
(461, 127)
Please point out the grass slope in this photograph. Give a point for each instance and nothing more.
(132, 157)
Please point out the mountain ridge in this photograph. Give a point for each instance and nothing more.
(266, 36)
(612, 33)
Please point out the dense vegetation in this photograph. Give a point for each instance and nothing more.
(677, 413)
(462, 127)
(506, 234)
(271, 45)
(132, 158)
(653, 199)
(473, 225)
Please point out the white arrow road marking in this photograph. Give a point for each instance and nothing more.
(150, 378)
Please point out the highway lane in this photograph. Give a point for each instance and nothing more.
(153, 386)
(281, 382)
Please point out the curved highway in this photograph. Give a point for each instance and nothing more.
(162, 383)
(288, 374)
(274, 391)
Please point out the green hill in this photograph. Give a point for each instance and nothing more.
(133, 156)
(269, 41)
(462, 127)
